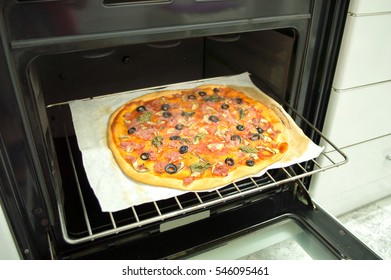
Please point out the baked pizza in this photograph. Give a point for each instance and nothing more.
(196, 139)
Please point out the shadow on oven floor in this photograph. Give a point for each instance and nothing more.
(372, 224)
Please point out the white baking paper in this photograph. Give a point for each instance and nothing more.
(114, 190)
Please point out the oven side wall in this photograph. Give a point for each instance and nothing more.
(20, 194)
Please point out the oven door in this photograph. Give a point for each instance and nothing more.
(299, 235)
(276, 225)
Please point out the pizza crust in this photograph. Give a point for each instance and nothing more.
(203, 183)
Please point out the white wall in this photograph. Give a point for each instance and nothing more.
(8, 249)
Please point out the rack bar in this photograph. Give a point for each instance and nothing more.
(178, 202)
(286, 172)
(302, 167)
(135, 214)
(255, 183)
(316, 163)
(218, 193)
(270, 176)
(157, 208)
(326, 155)
(198, 197)
(112, 220)
(236, 187)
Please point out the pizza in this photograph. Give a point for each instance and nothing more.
(196, 139)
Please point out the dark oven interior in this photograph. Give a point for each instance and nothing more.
(283, 46)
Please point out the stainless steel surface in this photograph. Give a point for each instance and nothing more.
(240, 189)
(73, 18)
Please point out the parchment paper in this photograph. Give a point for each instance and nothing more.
(114, 190)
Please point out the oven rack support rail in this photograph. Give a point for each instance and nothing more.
(241, 189)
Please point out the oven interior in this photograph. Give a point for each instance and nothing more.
(270, 56)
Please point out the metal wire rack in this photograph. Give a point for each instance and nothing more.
(93, 224)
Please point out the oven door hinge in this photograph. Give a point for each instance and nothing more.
(302, 194)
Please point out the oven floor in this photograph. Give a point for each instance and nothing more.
(372, 225)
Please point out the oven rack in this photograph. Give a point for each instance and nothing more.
(96, 224)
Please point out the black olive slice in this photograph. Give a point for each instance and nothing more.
(236, 137)
(260, 130)
(250, 162)
(175, 137)
(167, 114)
(240, 127)
(171, 168)
(255, 137)
(144, 156)
(183, 149)
(131, 130)
(179, 126)
(165, 107)
(141, 108)
(225, 106)
(202, 93)
(229, 161)
(239, 100)
(213, 118)
(216, 90)
(192, 97)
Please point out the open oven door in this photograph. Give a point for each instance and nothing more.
(300, 235)
(278, 224)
